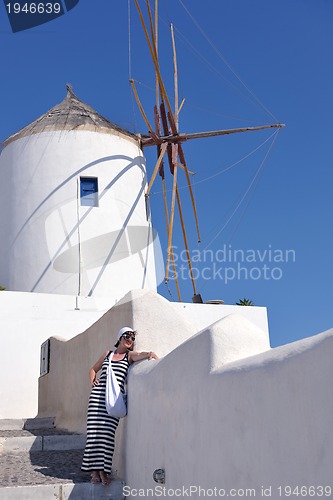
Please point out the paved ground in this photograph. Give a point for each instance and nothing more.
(42, 467)
(36, 432)
(46, 473)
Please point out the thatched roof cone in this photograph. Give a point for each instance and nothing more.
(70, 114)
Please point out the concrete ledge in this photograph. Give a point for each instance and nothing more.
(42, 443)
(88, 491)
(17, 424)
(12, 424)
(40, 492)
(78, 491)
(32, 424)
(71, 442)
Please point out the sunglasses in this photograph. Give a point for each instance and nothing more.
(128, 336)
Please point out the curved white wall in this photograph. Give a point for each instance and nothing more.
(41, 224)
(162, 328)
(254, 427)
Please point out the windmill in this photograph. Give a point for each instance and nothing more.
(166, 137)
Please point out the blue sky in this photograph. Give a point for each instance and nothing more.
(240, 64)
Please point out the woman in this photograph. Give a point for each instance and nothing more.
(101, 427)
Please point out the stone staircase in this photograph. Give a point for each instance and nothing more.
(40, 462)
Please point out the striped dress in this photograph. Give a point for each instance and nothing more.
(101, 427)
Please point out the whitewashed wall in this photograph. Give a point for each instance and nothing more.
(26, 321)
(203, 315)
(259, 424)
(41, 223)
(64, 392)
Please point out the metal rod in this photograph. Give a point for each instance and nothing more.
(144, 116)
(174, 269)
(182, 159)
(175, 75)
(189, 262)
(157, 166)
(172, 216)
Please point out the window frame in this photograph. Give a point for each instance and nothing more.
(91, 199)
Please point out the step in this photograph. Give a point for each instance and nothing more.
(78, 491)
(36, 434)
(51, 475)
(40, 462)
(12, 424)
(16, 441)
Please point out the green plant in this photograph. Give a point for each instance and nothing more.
(245, 302)
(2, 288)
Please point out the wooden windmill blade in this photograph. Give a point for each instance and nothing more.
(153, 52)
(162, 146)
(181, 154)
(178, 152)
(171, 141)
(157, 116)
(173, 153)
(147, 141)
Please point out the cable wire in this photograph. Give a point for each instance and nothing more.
(229, 167)
(246, 191)
(220, 55)
(129, 41)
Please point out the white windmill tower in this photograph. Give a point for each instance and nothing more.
(74, 217)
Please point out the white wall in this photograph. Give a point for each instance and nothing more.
(161, 328)
(264, 421)
(26, 321)
(203, 315)
(64, 391)
(218, 409)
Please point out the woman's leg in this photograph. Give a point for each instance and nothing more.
(95, 477)
(104, 478)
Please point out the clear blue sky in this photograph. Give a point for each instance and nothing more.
(240, 62)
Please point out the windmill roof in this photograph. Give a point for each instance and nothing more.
(70, 114)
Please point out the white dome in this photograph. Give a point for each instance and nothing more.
(70, 114)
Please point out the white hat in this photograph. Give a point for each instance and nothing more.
(124, 330)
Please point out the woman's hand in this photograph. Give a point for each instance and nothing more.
(93, 378)
(152, 355)
(94, 369)
(95, 382)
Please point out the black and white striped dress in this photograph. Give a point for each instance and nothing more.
(101, 427)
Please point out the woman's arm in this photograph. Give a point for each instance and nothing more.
(134, 356)
(94, 369)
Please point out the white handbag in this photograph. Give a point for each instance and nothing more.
(114, 399)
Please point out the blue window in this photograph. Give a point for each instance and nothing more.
(89, 191)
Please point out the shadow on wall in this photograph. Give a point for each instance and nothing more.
(124, 242)
(132, 162)
(63, 260)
